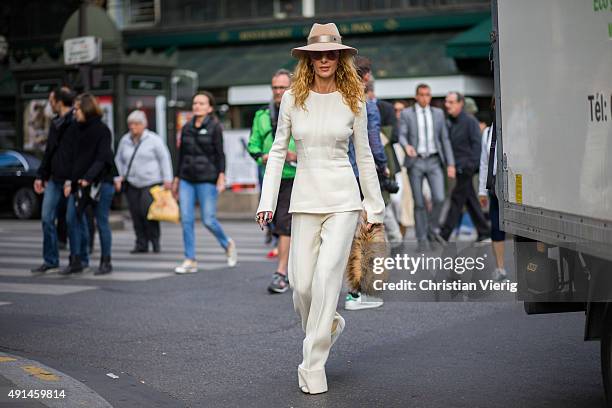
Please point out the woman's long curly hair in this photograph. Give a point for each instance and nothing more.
(347, 81)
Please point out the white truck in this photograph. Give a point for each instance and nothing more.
(553, 86)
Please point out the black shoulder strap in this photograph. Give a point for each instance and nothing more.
(132, 158)
(492, 158)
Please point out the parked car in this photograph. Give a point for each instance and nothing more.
(17, 174)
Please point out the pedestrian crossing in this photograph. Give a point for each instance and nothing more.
(21, 250)
(42, 289)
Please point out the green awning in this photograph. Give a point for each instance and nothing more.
(473, 43)
(393, 56)
(201, 35)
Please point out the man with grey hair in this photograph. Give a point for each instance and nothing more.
(143, 161)
(260, 143)
(465, 138)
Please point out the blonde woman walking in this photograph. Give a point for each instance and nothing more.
(323, 109)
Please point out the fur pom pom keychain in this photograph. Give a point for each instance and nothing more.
(366, 246)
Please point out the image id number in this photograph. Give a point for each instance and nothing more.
(37, 394)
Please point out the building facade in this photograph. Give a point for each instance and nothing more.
(232, 47)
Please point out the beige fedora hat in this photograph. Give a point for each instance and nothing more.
(323, 37)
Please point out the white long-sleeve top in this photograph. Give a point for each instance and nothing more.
(324, 180)
(484, 161)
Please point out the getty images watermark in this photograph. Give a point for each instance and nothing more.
(452, 268)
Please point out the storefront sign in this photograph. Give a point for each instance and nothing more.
(38, 88)
(141, 84)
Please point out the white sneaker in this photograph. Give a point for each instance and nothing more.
(362, 302)
(232, 254)
(500, 274)
(339, 328)
(188, 266)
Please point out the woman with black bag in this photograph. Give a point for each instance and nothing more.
(91, 184)
(143, 161)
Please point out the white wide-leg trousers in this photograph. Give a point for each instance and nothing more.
(320, 247)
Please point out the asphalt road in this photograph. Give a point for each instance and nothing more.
(217, 339)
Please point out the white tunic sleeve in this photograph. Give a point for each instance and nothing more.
(276, 157)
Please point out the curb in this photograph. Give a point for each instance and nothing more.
(18, 373)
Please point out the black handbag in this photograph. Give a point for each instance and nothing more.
(95, 190)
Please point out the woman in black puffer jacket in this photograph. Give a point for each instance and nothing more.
(201, 177)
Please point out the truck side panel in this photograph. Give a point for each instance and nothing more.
(555, 78)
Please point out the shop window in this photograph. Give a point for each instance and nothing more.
(36, 122)
(134, 13)
(353, 6)
(7, 129)
(180, 12)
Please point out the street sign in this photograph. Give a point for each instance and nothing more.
(82, 50)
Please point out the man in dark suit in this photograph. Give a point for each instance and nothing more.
(466, 141)
(424, 136)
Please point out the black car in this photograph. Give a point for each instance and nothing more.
(17, 174)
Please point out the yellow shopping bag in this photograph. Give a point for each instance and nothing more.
(164, 207)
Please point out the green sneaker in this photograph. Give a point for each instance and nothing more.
(361, 302)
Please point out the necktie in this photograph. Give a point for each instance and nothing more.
(425, 121)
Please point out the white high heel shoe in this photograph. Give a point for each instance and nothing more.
(339, 329)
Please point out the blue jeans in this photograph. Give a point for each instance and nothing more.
(107, 191)
(78, 232)
(206, 194)
(51, 199)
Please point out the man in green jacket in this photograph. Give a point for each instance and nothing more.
(260, 143)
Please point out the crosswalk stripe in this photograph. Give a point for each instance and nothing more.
(129, 237)
(5, 303)
(143, 267)
(43, 289)
(118, 276)
(118, 249)
(36, 245)
(162, 262)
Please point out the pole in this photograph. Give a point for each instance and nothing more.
(83, 19)
(84, 69)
